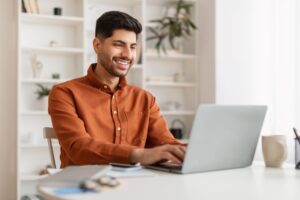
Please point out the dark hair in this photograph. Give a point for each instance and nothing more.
(112, 20)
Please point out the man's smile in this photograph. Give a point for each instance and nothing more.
(122, 63)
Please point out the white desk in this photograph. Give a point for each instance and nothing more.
(255, 183)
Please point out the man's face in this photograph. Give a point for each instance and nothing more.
(118, 52)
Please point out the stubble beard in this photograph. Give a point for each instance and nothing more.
(109, 66)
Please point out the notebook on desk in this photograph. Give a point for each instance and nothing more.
(222, 137)
(74, 175)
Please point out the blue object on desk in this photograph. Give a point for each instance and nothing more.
(70, 190)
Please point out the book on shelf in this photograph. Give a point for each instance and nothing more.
(27, 6)
(34, 6)
(37, 6)
(31, 6)
(23, 7)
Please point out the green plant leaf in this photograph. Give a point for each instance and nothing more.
(171, 27)
(42, 91)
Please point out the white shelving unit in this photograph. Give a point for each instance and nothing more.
(63, 44)
(58, 44)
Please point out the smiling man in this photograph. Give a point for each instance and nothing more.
(99, 118)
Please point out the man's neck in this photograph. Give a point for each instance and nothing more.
(106, 78)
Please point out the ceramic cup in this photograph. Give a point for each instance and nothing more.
(274, 150)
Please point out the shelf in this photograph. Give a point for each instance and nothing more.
(65, 50)
(32, 81)
(51, 19)
(163, 2)
(137, 66)
(117, 3)
(169, 84)
(31, 177)
(151, 25)
(177, 112)
(35, 112)
(170, 56)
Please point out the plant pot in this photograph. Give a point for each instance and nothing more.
(44, 103)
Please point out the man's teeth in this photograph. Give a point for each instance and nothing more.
(123, 62)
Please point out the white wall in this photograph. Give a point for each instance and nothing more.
(206, 51)
(8, 100)
(254, 60)
(297, 64)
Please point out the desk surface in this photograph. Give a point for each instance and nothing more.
(255, 183)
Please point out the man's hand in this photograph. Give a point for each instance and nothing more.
(167, 152)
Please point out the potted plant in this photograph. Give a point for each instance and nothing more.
(175, 25)
(43, 93)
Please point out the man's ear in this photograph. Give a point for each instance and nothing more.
(97, 45)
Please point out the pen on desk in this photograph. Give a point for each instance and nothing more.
(296, 134)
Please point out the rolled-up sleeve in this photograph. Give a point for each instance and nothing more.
(158, 132)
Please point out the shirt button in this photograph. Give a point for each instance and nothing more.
(119, 128)
(105, 86)
(115, 112)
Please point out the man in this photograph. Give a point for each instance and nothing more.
(99, 118)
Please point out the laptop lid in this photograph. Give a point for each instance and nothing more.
(223, 137)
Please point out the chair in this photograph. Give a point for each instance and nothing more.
(49, 134)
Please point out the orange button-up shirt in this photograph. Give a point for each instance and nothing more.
(96, 126)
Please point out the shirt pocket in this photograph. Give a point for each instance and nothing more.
(137, 127)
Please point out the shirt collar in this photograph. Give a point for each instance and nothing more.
(97, 83)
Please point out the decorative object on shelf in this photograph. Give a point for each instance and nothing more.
(44, 171)
(57, 11)
(56, 76)
(171, 105)
(177, 131)
(53, 43)
(37, 66)
(43, 93)
(175, 25)
(179, 77)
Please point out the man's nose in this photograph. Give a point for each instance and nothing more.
(127, 53)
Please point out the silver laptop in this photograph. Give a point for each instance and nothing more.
(222, 137)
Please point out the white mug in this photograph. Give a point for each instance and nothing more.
(274, 150)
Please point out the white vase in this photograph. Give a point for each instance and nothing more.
(37, 66)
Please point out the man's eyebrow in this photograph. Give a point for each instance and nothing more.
(121, 41)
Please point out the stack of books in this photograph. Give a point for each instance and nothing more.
(30, 6)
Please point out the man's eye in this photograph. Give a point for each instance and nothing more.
(117, 44)
(133, 47)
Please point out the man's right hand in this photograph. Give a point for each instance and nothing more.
(167, 152)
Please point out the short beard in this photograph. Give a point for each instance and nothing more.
(109, 67)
